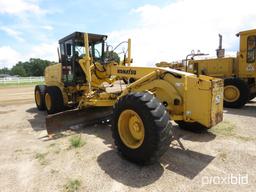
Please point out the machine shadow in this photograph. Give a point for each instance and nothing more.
(247, 110)
(126, 172)
(38, 121)
(185, 162)
(190, 136)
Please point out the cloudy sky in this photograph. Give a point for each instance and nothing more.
(160, 30)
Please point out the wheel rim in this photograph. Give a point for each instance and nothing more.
(231, 93)
(48, 101)
(38, 97)
(131, 129)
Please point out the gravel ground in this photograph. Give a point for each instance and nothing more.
(223, 159)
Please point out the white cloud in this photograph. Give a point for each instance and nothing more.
(16, 7)
(44, 51)
(171, 32)
(47, 27)
(13, 33)
(9, 56)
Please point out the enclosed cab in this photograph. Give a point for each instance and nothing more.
(66, 81)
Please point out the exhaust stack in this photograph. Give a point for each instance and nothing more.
(220, 52)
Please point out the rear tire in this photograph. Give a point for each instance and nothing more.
(236, 93)
(39, 96)
(53, 100)
(154, 120)
(194, 127)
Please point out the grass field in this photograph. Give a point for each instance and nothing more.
(23, 84)
(20, 81)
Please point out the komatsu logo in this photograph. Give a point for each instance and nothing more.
(127, 71)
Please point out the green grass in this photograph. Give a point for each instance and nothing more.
(72, 185)
(244, 138)
(25, 84)
(225, 128)
(41, 158)
(76, 141)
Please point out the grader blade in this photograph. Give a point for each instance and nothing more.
(66, 120)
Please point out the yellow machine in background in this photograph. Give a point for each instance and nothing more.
(90, 81)
(238, 72)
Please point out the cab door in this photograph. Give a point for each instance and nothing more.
(67, 50)
(247, 56)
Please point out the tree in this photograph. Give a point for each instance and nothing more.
(33, 67)
(18, 70)
(38, 66)
(5, 70)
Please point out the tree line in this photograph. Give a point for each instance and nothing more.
(33, 67)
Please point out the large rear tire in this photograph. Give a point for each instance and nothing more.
(53, 100)
(39, 97)
(236, 93)
(141, 128)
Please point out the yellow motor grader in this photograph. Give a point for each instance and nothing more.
(91, 84)
(239, 73)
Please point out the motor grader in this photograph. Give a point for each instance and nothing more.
(238, 72)
(91, 85)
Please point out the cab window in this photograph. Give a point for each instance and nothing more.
(251, 49)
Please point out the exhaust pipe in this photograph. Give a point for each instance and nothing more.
(220, 52)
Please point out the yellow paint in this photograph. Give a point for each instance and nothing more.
(38, 97)
(231, 93)
(53, 73)
(131, 129)
(87, 63)
(129, 52)
(48, 101)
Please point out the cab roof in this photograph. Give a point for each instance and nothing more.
(93, 38)
(252, 31)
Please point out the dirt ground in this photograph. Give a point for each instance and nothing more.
(223, 159)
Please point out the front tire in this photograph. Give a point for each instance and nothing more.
(236, 93)
(141, 127)
(53, 100)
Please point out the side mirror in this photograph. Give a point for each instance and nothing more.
(68, 49)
